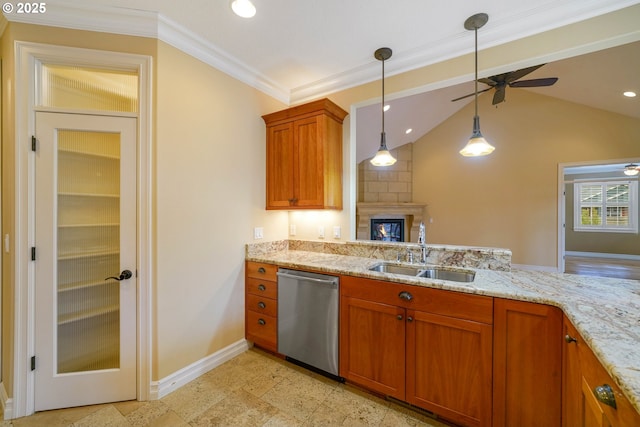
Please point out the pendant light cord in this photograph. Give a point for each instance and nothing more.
(476, 79)
(382, 95)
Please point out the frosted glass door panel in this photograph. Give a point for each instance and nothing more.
(88, 251)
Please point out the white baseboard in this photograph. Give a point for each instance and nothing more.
(534, 268)
(166, 385)
(7, 403)
(602, 255)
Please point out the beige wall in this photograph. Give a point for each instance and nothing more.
(210, 192)
(510, 198)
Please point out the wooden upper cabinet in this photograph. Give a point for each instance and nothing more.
(304, 157)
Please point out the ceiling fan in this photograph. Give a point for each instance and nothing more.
(501, 81)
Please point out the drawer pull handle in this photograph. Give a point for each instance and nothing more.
(409, 319)
(261, 304)
(262, 322)
(604, 393)
(262, 287)
(569, 339)
(405, 296)
(261, 270)
(399, 317)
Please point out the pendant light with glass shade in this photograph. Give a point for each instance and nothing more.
(477, 145)
(383, 157)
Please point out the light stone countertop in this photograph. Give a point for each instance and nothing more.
(605, 311)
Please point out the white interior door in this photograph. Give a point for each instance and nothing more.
(85, 233)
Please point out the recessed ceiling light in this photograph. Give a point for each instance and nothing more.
(629, 94)
(243, 8)
(408, 131)
(386, 107)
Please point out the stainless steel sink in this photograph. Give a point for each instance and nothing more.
(451, 275)
(396, 269)
(428, 272)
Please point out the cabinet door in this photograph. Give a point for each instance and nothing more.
(449, 367)
(571, 377)
(281, 155)
(309, 178)
(372, 345)
(527, 363)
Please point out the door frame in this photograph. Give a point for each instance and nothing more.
(562, 201)
(27, 56)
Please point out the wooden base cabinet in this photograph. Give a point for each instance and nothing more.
(261, 305)
(590, 397)
(409, 343)
(527, 364)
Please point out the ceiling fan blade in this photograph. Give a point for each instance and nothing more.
(534, 82)
(489, 81)
(498, 97)
(518, 74)
(471, 94)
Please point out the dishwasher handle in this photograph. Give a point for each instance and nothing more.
(332, 281)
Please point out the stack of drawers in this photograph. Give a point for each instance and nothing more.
(261, 299)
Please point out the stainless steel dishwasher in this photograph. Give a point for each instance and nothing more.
(308, 318)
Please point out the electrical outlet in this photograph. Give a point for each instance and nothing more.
(336, 232)
(321, 232)
(258, 233)
(292, 230)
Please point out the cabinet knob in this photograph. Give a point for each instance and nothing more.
(262, 287)
(569, 339)
(405, 296)
(399, 317)
(262, 322)
(261, 304)
(409, 319)
(261, 270)
(604, 393)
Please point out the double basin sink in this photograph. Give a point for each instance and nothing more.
(426, 271)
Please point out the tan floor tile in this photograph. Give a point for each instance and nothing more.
(168, 419)
(108, 416)
(191, 400)
(237, 409)
(298, 395)
(146, 414)
(128, 406)
(281, 419)
(325, 416)
(57, 418)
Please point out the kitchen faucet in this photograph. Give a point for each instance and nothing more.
(423, 244)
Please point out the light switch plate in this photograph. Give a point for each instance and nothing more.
(336, 232)
(321, 232)
(258, 233)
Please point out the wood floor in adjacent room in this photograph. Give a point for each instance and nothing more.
(603, 267)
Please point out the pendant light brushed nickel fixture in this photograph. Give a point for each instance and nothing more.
(383, 157)
(477, 145)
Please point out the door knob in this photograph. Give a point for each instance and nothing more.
(126, 274)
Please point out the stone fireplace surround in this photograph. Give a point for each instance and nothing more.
(412, 213)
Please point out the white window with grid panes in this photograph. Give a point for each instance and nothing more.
(606, 206)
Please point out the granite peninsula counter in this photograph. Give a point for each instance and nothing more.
(606, 311)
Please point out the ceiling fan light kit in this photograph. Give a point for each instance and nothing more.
(631, 169)
(477, 145)
(383, 157)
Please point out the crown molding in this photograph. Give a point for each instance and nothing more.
(152, 24)
(132, 22)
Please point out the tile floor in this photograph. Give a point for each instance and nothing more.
(253, 389)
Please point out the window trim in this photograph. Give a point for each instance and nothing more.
(604, 228)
